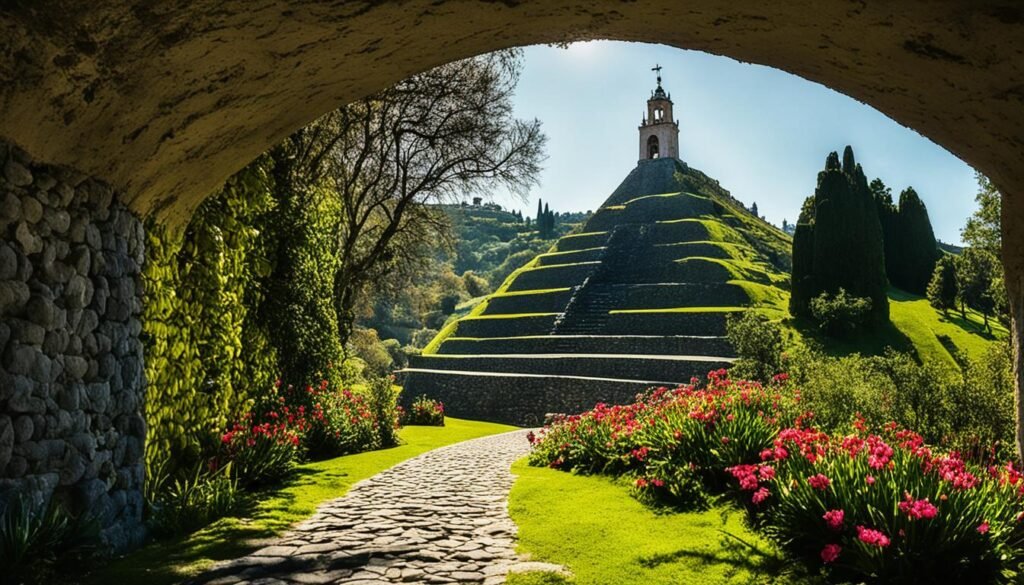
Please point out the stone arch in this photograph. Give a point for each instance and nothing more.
(153, 107)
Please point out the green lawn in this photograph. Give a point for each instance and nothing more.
(592, 525)
(170, 561)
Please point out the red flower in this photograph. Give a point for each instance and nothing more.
(916, 509)
(830, 553)
(760, 495)
(641, 482)
(834, 519)
(819, 481)
(870, 479)
(983, 528)
(872, 537)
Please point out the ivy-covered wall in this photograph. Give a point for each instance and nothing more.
(206, 352)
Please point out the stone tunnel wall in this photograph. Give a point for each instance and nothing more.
(71, 369)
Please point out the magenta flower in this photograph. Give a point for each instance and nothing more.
(917, 509)
(760, 495)
(830, 553)
(872, 537)
(983, 528)
(834, 519)
(819, 481)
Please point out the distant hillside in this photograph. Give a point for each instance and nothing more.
(489, 244)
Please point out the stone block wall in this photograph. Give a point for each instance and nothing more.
(522, 401)
(71, 361)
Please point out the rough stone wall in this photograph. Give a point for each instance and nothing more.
(71, 376)
(523, 401)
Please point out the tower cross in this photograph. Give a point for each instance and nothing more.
(657, 69)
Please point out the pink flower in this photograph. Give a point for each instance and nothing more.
(983, 528)
(766, 472)
(834, 519)
(872, 537)
(870, 480)
(916, 509)
(760, 495)
(830, 553)
(819, 481)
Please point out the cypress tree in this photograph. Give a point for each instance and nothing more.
(838, 240)
(540, 213)
(916, 251)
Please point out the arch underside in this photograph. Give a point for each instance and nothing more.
(164, 103)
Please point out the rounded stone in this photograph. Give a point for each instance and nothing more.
(23, 428)
(30, 242)
(78, 293)
(13, 296)
(8, 262)
(16, 174)
(31, 209)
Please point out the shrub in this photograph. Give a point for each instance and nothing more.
(33, 539)
(194, 500)
(264, 445)
(886, 508)
(384, 403)
(425, 411)
(840, 314)
(758, 343)
(673, 441)
(341, 422)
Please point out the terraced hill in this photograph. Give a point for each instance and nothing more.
(639, 298)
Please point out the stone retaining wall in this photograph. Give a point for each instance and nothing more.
(548, 302)
(551, 277)
(521, 400)
(71, 369)
(697, 323)
(633, 368)
(718, 346)
(511, 327)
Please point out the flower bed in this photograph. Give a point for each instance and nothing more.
(864, 505)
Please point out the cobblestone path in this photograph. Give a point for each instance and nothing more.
(440, 517)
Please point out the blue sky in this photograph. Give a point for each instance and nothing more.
(761, 132)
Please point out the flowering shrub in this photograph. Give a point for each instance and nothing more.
(885, 507)
(425, 411)
(340, 422)
(674, 441)
(265, 444)
(863, 506)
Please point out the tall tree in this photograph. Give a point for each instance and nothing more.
(433, 137)
(983, 227)
(942, 289)
(838, 243)
(916, 251)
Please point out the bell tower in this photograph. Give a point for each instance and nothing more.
(659, 131)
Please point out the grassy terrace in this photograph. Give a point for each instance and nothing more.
(591, 525)
(274, 511)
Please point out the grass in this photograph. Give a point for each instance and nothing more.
(914, 326)
(171, 561)
(926, 328)
(591, 525)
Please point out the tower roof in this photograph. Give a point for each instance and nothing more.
(659, 92)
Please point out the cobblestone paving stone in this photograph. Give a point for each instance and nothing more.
(441, 517)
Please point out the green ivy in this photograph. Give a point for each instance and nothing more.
(205, 351)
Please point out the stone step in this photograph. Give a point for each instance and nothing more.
(553, 301)
(618, 366)
(604, 344)
(548, 277)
